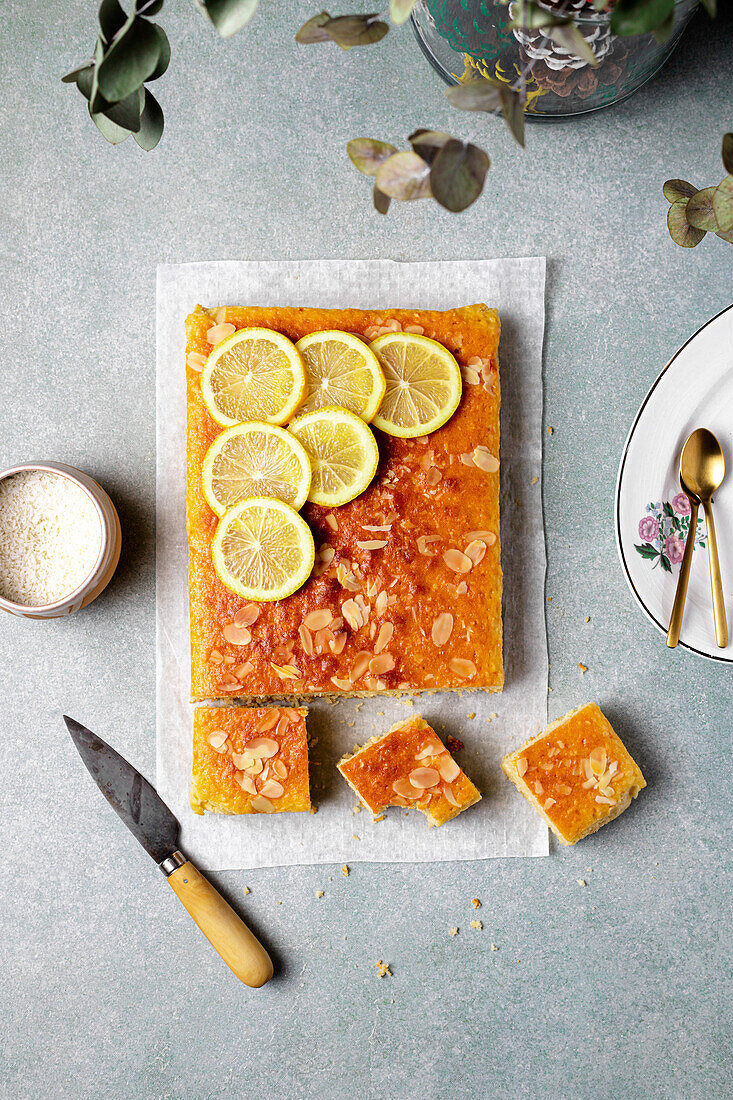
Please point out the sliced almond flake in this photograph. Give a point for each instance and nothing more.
(385, 637)
(272, 789)
(219, 332)
(448, 792)
(229, 660)
(381, 603)
(461, 589)
(268, 721)
(317, 620)
(612, 767)
(522, 765)
(562, 788)
(384, 662)
(306, 639)
(352, 613)
(470, 376)
(236, 635)
(282, 727)
(597, 760)
(588, 770)
(449, 770)
(331, 522)
(423, 542)
(404, 789)
(484, 459)
(467, 459)
(338, 643)
(344, 685)
(475, 361)
(359, 666)
(220, 315)
(262, 748)
(247, 615)
(442, 628)
(255, 768)
(279, 769)
(217, 738)
(589, 783)
(364, 605)
(548, 802)
(538, 788)
(195, 360)
(485, 536)
(417, 329)
(433, 476)
(216, 657)
(373, 527)
(285, 672)
(371, 544)
(475, 551)
(604, 790)
(246, 782)
(242, 760)
(243, 670)
(606, 801)
(457, 561)
(462, 667)
(229, 681)
(262, 806)
(423, 778)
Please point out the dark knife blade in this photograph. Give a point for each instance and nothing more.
(128, 793)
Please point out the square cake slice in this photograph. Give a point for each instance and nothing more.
(406, 591)
(577, 773)
(249, 760)
(409, 766)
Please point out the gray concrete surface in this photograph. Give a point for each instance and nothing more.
(617, 988)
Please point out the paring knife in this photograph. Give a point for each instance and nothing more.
(149, 819)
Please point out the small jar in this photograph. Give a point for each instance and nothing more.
(110, 545)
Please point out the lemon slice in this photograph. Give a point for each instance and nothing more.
(254, 374)
(343, 452)
(255, 460)
(423, 384)
(341, 370)
(262, 549)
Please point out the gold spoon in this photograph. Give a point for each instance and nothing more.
(702, 469)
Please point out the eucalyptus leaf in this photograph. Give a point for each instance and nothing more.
(129, 61)
(528, 15)
(678, 190)
(348, 31)
(428, 143)
(97, 102)
(164, 56)
(457, 175)
(112, 18)
(680, 230)
(229, 16)
(73, 76)
(367, 154)
(151, 123)
(640, 17)
(726, 236)
(569, 38)
(728, 152)
(723, 205)
(512, 109)
(380, 200)
(404, 176)
(401, 10)
(313, 31)
(700, 213)
(479, 95)
(85, 81)
(127, 112)
(113, 133)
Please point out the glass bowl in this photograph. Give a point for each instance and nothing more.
(465, 39)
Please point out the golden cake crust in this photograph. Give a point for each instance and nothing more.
(577, 773)
(372, 770)
(430, 497)
(216, 783)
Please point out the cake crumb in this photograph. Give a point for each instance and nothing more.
(475, 903)
(380, 817)
(549, 599)
(313, 810)
(586, 619)
(357, 809)
(383, 969)
(550, 431)
(246, 890)
(319, 894)
(582, 882)
(354, 836)
(452, 931)
(534, 481)
(494, 947)
(453, 744)
(476, 924)
(345, 870)
(472, 714)
(583, 668)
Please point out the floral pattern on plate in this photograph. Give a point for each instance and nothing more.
(664, 529)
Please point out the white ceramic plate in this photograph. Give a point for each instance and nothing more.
(694, 390)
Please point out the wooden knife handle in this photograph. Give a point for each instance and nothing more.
(226, 932)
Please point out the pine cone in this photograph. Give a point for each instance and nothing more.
(579, 82)
(540, 48)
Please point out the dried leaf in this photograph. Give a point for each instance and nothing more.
(680, 230)
(700, 213)
(312, 31)
(129, 61)
(367, 154)
(640, 16)
(401, 10)
(457, 175)
(512, 109)
(479, 95)
(404, 176)
(569, 38)
(348, 31)
(728, 152)
(723, 205)
(151, 123)
(229, 16)
(726, 236)
(380, 200)
(678, 190)
(427, 143)
(530, 16)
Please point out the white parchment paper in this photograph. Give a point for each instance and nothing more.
(502, 824)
